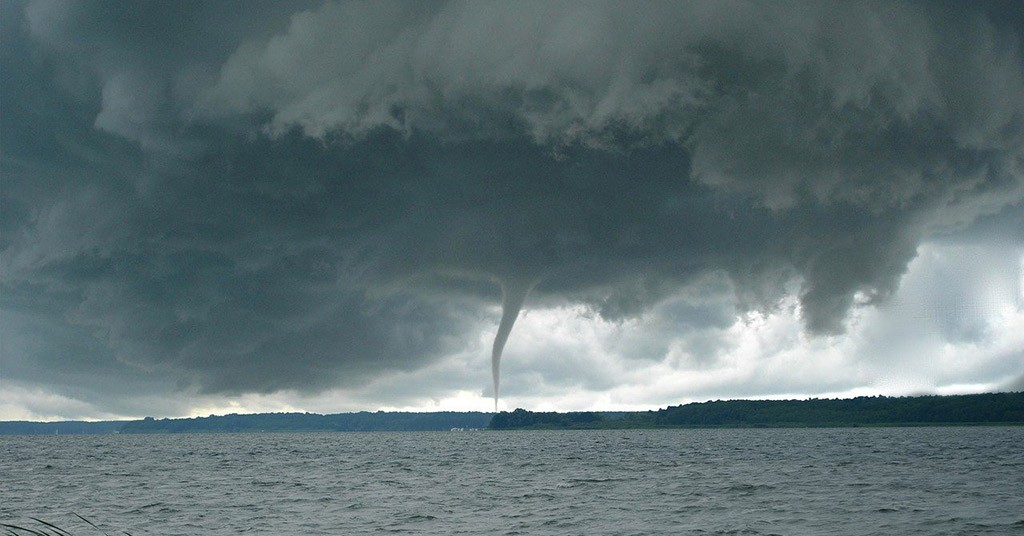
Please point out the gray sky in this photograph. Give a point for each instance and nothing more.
(213, 207)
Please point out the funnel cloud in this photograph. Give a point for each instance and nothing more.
(225, 206)
(513, 294)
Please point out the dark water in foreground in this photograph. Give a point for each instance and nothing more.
(786, 481)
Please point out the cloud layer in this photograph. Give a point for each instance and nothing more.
(304, 198)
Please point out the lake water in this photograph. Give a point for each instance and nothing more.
(882, 481)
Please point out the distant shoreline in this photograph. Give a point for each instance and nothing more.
(1002, 409)
(775, 426)
(988, 409)
(262, 422)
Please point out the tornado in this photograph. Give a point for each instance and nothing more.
(513, 293)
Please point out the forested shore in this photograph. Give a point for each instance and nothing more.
(988, 408)
(364, 421)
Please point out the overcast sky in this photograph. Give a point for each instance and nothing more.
(212, 207)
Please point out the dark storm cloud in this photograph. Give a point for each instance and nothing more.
(254, 197)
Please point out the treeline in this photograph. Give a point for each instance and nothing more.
(62, 427)
(991, 408)
(264, 422)
(521, 418)
(959, 409)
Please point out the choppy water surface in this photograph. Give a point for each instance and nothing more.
(802, 481)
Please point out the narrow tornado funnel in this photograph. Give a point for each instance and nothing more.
(513, 293)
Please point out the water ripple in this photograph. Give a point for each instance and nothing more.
(919, 481)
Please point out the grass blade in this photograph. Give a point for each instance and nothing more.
(12, 528)
(57, 530)
(93, 525)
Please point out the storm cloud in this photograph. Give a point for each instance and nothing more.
(232, 199)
